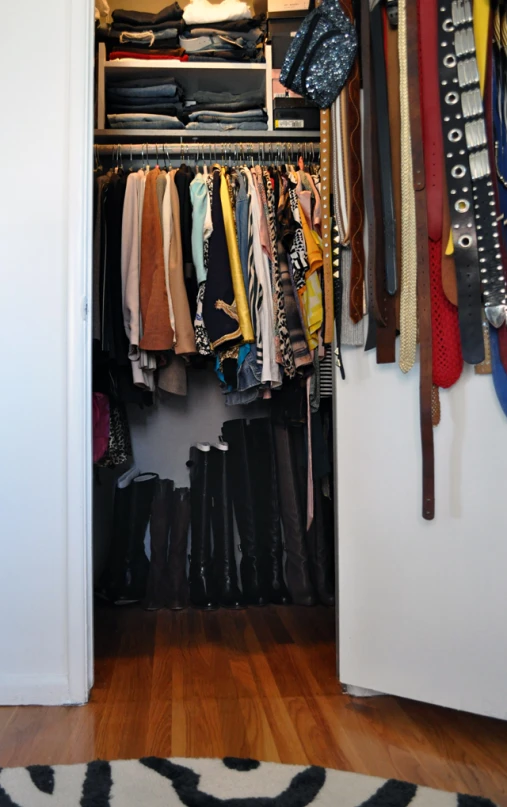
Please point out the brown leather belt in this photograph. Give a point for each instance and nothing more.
(351, 91)
(423, 280)
(372, 201)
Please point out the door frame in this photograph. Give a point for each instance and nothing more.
(80, 58)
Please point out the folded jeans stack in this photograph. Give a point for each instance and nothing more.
(144, 103)
(224, 111)
(222, 32)
(141, 35)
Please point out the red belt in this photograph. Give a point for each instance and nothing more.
(447, 357)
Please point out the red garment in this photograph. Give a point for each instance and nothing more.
(128, 54)
(100, 425)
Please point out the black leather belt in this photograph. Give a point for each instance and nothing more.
(459, 189)
(486, 212)
(384, 146)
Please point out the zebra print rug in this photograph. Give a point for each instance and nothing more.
(154, 782)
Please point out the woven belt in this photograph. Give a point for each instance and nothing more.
(423, 278)
(446, 343)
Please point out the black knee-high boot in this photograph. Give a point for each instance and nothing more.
(160, 524)
(224, 559)
(293, 517)
(261, 449)
(126, 575)
(252, 563)
(176, 592)
(201, 582)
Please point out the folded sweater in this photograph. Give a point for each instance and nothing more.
(202, 11)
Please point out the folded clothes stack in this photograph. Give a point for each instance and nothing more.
(141, 35)
(223, 111)
(226, 31)
(144, 103)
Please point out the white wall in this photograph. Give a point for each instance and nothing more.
(423, 605)
(162, 435)
(40, 269)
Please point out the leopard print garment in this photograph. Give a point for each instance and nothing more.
(202, 341)
(281, 328)
(298, 254)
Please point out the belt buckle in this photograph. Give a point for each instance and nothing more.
(392, 12)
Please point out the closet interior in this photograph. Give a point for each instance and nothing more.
(212, 355)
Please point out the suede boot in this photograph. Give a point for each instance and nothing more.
(201, 581)
(126, 576)
(176, 596)
(252, 563)
(261, 448)
(160, 523)
(224, 559)
(292, 510)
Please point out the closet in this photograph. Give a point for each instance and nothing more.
(212, 377)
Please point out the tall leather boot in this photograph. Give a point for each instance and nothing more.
(224, 558)
(320, 549)
(252, 566)
(298, 572)
(160, 523)
(126, 577)
(261, 448)
(176, 596)
(201, 582)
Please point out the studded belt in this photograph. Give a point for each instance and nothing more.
(459, 188)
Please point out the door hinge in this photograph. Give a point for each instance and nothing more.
(84, 308)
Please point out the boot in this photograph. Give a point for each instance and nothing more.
(320, 550)
(261, 448)
(224, 558)
(298, 574)
(239, 471)
(128, 567)
(202, 589)
(160, 523)
(177, 583)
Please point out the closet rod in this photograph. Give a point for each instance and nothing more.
(239, 149)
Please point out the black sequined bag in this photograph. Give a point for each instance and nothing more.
(319, 59)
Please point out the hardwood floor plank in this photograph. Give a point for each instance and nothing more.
(255, 683)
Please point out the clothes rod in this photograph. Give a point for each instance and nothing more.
(230, 148)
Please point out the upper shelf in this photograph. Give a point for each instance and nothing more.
(170, 65)
(198, 136)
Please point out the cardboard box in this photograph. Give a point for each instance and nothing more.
(276, 7)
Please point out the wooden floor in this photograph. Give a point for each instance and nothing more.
(258, 683)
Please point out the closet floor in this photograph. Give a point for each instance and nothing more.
(256, 683)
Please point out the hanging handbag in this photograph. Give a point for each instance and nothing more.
(319, 60)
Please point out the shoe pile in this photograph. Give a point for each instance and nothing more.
(255, 475)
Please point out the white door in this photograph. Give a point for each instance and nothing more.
(422, 605)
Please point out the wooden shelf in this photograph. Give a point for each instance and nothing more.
(170, 66)
(198, 136)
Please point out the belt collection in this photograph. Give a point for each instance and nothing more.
(428, 133)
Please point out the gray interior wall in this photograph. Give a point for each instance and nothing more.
(162, 434)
